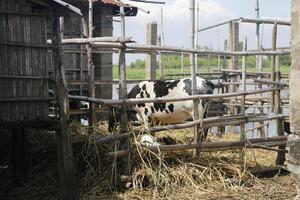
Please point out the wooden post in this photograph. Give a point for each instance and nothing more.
(193, 74)
(62, 27)
(123, 90)
(151, 39)
(223, 90)
(243, 110)
(19, 155)
(208, 63)
(84, 34)
(91, 67)
(243, 132)
(279, 122)
(182, 64)
(273, 63)
(294, 139)
(160, 64)
(258, 65)
(225, 57)
(197, 37)
(233, 46)
(68, 185)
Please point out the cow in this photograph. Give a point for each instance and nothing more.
(169, 112)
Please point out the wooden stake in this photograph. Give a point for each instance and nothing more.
(273, 64)
(91, 67)
(68, 185)
(193, 75)
(160, 64)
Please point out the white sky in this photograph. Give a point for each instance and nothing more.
(176, 22)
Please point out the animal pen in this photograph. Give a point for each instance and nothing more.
(231, 91)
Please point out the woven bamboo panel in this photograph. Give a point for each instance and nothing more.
(23, 58)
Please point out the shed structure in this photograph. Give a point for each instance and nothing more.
(23, 69)
(24, 82)
(76, 61)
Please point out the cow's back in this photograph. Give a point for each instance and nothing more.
(170, 112)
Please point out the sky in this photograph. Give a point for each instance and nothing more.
(176, 22)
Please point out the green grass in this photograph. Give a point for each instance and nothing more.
(140, 73)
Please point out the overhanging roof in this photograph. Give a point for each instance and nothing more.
(60, 3)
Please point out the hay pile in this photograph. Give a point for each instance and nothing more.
(219, 175)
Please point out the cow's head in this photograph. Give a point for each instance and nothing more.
(208, 87)
(114, 117)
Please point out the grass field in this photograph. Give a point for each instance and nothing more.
(140, 73)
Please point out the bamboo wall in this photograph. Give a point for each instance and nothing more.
(75, 62)
(23, 54)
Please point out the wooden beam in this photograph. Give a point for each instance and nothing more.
(68, 185)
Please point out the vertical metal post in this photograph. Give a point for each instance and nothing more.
(91, 67)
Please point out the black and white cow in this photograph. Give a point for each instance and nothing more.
(167, 113)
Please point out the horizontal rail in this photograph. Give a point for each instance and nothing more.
(22, 77)
(207, 122)
(211, 146)
(265, 21)
(202, 51)
(6, 12)
(268, 82)
(103, 82)
(23, 99)
(219, 24)
(160, 49)
(95, 39)
(169, 99)
(248, 20)
(25, 45)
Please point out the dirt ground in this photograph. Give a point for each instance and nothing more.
(212, 176)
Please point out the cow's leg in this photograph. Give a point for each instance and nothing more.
(147, 121)
(202, 107)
